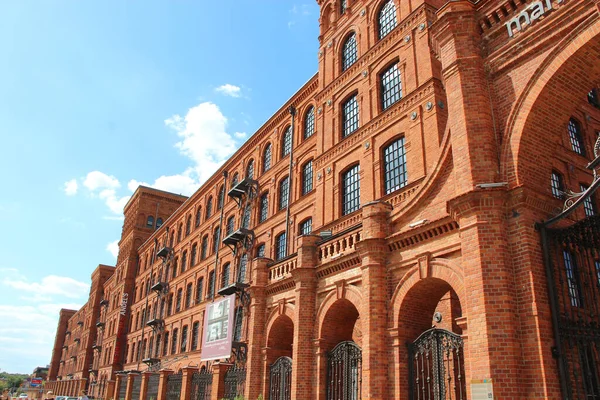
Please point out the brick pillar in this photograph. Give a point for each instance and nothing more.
(129, 388)
(455, 38)
(186, 382)
(109, 392)
(117, 389)
(218, 383)
(256, 327)
(163, 375)
(490, 291)
(321, 370)
(144, 384)
(374, 253)
(303, 356)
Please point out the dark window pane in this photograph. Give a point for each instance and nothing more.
(267, 158)
(306, 227)
(209, 207)
(230, 225)
(242, 270)
(394, 159)
(260, 250)
(211, 284)
(216, 239)
(199, 285)
(351, 190)
(557, 185)
(239, 318)
(203, 252)
(573, 282)
(246, 217)
(250, 169)
(575, 137)
(225, 276)
(150, 222)
(221, 198)
(195, 329)
(588, 204)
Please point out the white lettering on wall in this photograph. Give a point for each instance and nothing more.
(529, 15)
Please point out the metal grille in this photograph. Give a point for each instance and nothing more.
(306, 227)
(309, 123)
(235, 382)
(575, 137)
(135, 390)
(344, 371)
(394, 158)
(280, 248)
(307, 177)
(122, 388)
(572, 257)
(267, 158)
(351, 190)
(436, 362)
(387, 18)
(264, 207)
(349, 52)
(286, 142)
(391, 86)
(152, 392)
(281, 379)
(350, 116)
(250, 169)
(202, 385)
(284, 190)
(557, 185)
(174, 386)
(588, 203)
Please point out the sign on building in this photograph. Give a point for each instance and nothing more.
(218, 329)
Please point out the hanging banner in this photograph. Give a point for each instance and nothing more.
(218, 329)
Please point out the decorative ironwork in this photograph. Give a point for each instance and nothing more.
(235, 381)
(281, 379)
(152, 391)
(202, 384)
(344, 372)
(436, 365)
(135, 391)
(174, 386)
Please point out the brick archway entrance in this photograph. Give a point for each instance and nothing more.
(279, 358)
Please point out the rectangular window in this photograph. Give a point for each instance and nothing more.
(188, 296)
(307, 178)
(306, 227)
(588, 204)
(217, 239)
(239, 319)
(199, 285)
(195, 329)
(211, 284)
(225, 276)
(166, 344)
(575, 137)
(349, 116)
(281, 247)
(184, 337)
(178, 303)
(557, 185)
(183, 262)
(394, 159)
(174, 341)
(391, 87)
(260, 250)
(264, 207)
(351, 190)
(242, 269)
(284, 191)
(194, 253)
(573, 282)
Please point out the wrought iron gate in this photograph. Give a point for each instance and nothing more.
(235, 381)
(174, 386)
(281, 379)
(202, 384)
(152, 391)
(436, 366)
(344, 372)
(135, 392)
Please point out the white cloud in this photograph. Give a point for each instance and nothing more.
(48, 286)
(113, 248)
(71, 187)
(113, 218)
(114, 203)
(229, 90)
(99, 180)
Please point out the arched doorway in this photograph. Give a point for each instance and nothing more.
(279, 358)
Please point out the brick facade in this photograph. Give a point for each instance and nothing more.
(477, 106)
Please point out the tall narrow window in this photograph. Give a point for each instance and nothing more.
(260, 250)
(157, 348)
(597, 265)
(343, 6)
(349, 52)
(284, 190)
(209, 206)
(159, 223)
(250, 169)
(175, 266)
(239, 319)
(204, 249)
(184, 262)
(195, 332)
(199, 285)
(246, 217)
(573, 282)
(391, 86)
(184, 337)
(264, 207)
(575, 137)
(230, 225)
(593, 98)
(588, 204)
(174, 341)
(179, 232)
(179, 299)
(307, 177)
(387, 18)
(221, 198)
(188, 225)
(350, 190)
(211, 284)
(216, 239)
(235, 179)
(267, 158)
(280, 246)
(188, 295)
(286, 142)
(349, 116)
(166, 344)
(558, 187)
(242, 270)
(194, 254)
(150, 221)
(394, 159)
(306, 227)
(309, 122)
(225, 276)
(170, 305)
(198, 216)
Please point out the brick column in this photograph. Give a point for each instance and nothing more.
(320, 355)
(163, 375)
(490, 290)
(144, 384)
(186, 382)
(129, 388)
(374, 253)
(256, 327)
(119, 378)
(303, 356)
(109, 392)
(218, 383)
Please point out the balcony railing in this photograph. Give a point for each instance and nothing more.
(283, 269)
(338, 246)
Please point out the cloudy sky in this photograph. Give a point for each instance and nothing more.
(97, 97)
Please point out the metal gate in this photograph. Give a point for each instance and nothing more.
(174, 386)
(152, 391)
(123, 387)
(436, 366)
(344, 372)
(202, 384)
(137, 383)
(281, 379)
(235, 382)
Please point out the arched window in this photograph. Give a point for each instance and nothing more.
(175, 266)
(184, 261)
(174, 341)
(284, 191)
(349, 51)
(166, 344)
(343, 6)
(309, 122)
(172, 239)
(194, 254)
(211, 284)
(204, 248)
(225, 275)
(391, 86)
(557, 185)
(286, 142)
(387, 18)
(264, 207)
(198, 216)
(179, 232)
(234, 180)
(575, 137)
(250, 169)
(199, 285)
(188, 295)
(590, 210)
(350, 190)
(221, 198)
(209, 206)
(216, 239)
(394, 166)
(195, 330)
(246, 217)
(150, 222)
(159, 223)
(280, 246)
(188, 225)
(242, 270)
(179, 299)
(306, 227)
(349, 116)
(307, 177)
(230, 225)
(184, 335)
(267, 158)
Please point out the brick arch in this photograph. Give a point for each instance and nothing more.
(440, 269)
(342, 292)
(278, 311)
(560, 83)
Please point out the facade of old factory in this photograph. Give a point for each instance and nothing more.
(397, 230)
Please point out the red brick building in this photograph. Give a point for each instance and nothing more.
(384, 220)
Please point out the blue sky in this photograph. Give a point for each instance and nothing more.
(97, 96)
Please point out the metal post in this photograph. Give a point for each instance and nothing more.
(218, 245)
(292, 111)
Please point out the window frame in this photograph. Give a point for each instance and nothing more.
(309, 122)
(347, 203)
(280, 246)
(402, 168)
(280, 189)
(349, 55)
(267, 161)
(264, 207)
(557, 184)
(286, 142)
(384, 24)
(307, 184)
(350, 123)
